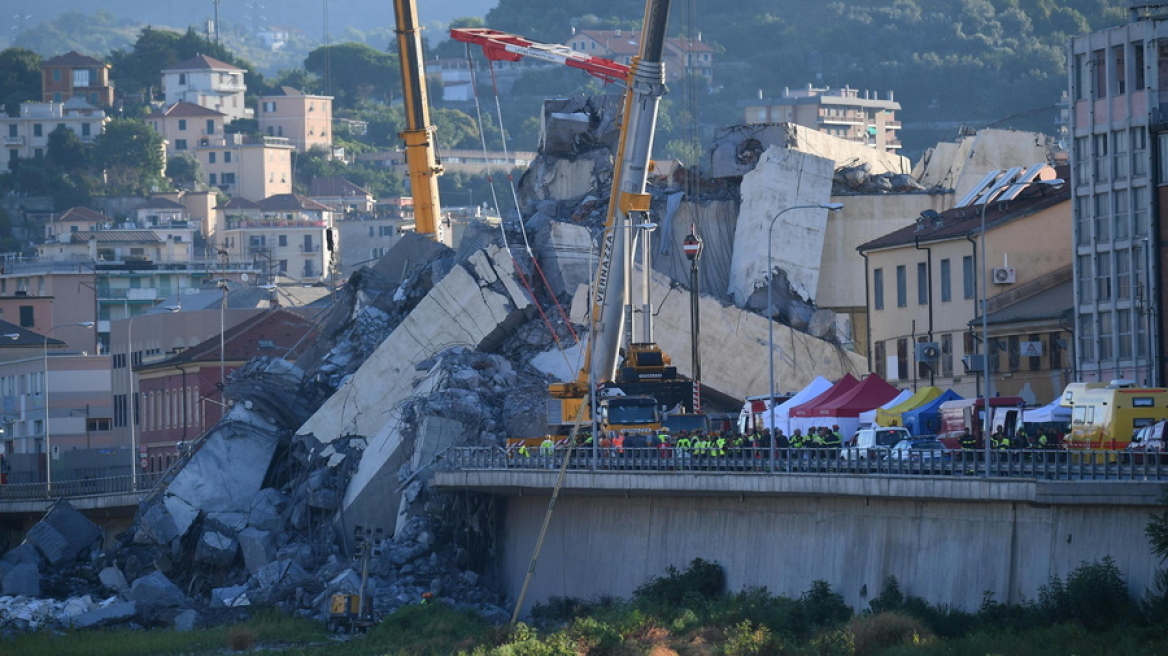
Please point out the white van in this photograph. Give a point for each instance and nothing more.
(873, 442)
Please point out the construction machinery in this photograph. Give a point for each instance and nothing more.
(421, 155)
(629, 389)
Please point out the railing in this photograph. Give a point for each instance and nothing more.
(1037, 464)
(72, 488)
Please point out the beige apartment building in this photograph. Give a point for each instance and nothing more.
(247, 166)
(288, 237)
(305, 120)
(208, 82)
(27, 136)
(924, 286)
(186, 126)
(845, 113)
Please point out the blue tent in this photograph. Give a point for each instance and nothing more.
(926, 420)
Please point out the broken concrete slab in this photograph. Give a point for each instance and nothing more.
(109, 614)
(266, 511)
(112, 578)
(280, 573)
(23, 580)
(216, 549)
(156, 589)
(737, 149)
(258, 548)
(953, 165)
(571, 259)
(63, 534)
(186, 620)
(782, 179)
(23, 553)
(156, 524)
(235, 595)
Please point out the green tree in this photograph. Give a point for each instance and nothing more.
(66, 150)
(20, 78)
(186, 171)
(352, 72)
(140, 68)
(130, 155)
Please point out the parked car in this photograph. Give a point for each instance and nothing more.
(873, 443)
(919, 451)
(1147, 444)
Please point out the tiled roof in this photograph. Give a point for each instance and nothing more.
(25, 338)
(202, 62)
(270, 333)
(183, 108)
(1049, 304)
(238, 203)
(334, 187)
(958, 222)
(116, 237)
(284, 202)
(160, 203)
(80, 213)
(74, 58)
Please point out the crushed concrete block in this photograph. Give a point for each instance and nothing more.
(215, 548)
(186, 620)
(24, 580)
(258, 548)
(112, 578)
(571, 261)
(119, 610)
(266, 510)
(63, 534)
(301, 554)
(23, 553)
(78, 605)
(281, 572)
(231, 521)
(235, 595)
(156, 590)
(157, 525)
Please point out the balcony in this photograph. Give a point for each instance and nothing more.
(13, 141)
(243, 224)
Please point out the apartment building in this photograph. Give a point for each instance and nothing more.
(208, 82)
(186, 126)
(286, 235)
(74, 75)
(27, 136)
(924, 286)
(247, 166)
(1119, 130)
(845, 113)
(305, 120)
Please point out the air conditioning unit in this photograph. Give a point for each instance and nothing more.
(1004, 275)
(927, 351)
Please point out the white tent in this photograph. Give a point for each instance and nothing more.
(1052, 412)
(868, 418)
(780, 416)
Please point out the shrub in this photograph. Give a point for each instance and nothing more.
(943, 620)
(874, 633)
(1155, 602)
(1094, 595)
(837, 642)
(822, 607)
(746, 639)
(781, 615)
(699, 582)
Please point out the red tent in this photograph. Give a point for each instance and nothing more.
(873, 392)
(845, 384)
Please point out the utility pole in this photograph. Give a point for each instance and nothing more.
(216, 3)
(692, 246)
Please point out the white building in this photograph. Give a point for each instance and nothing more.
(208, 82)
(27, 136)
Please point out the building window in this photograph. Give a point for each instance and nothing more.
(1086, 278)
(1106, 336)
(1103, 277)
(967, 279)
(1123, 325)
(1081, 158)
(182, 124)
(1140, 211)
(901, 285)
(1137, 76)
(1119, 70)
(212, 179)
(880, 357)
(1102, 217)
(1121, 216)
(1099, 66)
(1100, 158)
(210, 126)
(85, 130)
(211, 157)
(1014, 352)
(946, 281)
(878, 289)
(38, 130)
(922, 283)
(56, 75)
(227, 157)
(180, 144)
(27, 317)
(1123, 274)
(902, 359)
(228, 178)
(1139, 152)
(283, 240)
(1056, 351)
(947, 354)
(994, 348)
(1082, 221)
(182, 78)
(1119, 157)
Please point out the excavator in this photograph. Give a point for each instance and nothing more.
(629, 394)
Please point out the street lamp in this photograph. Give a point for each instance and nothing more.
(133, 406)
(834, 207)
(646, 227)
(48, 422)
(985, 329)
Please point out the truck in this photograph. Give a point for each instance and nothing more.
(635, 386)
(1106, 418)
(967, 416)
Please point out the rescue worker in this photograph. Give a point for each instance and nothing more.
(547, 452)
(524, 453)
(683, 446)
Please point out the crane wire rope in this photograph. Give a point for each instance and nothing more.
(503, 228)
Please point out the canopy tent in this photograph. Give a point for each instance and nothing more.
(1052, 413)
(926, 420)
(868, 418)
(892, 416)
(780, 416)
(844, 410)
(842, 387)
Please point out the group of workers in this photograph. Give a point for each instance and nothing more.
(1043, 438)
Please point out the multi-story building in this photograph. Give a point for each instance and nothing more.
(76, 75)
(287, 235)
(186, 126)
(247, 166)
(1119, 129)
(27, 136)
(366, 239)
(341, 195)
(681, 57)
(842, 113)
(208, 82)
(305, 120)
(456, 160)
(924, 286)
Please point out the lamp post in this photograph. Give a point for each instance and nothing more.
(834, 207)
(132, 410)
(985, 330)
(48, 421)
(592, 406)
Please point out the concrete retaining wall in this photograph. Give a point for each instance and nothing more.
(945, 551)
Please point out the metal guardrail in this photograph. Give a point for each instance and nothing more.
(82, 487)
(1037, 464)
